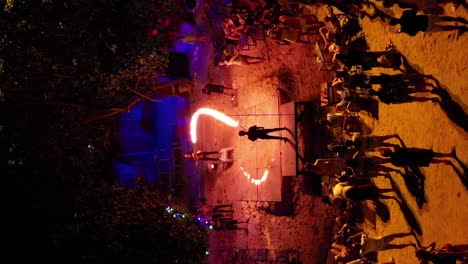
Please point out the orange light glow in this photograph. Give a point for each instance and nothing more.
(213, 113)
(255, 181)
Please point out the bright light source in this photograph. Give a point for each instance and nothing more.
(255, 181)
(213, 113)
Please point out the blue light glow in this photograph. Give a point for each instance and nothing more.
(143, 132)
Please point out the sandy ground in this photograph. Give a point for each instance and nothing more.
(442, 218)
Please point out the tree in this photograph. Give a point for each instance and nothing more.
(131, 226)
(60, 62)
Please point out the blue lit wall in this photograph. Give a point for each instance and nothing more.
(147, 134)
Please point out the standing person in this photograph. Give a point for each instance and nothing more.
(203, 155)
(394, 93)
(216, 212)
(215, 88)
(256, 132)
(366, 59)
(219, 211)
(373, 244)
(220, 208)
(370, 142)
(411, 23)
(363, 192)
(402, 157)
(229, 224)
(240, 60)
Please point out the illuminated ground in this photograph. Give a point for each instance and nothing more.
(424, 125)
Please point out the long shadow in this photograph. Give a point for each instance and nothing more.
(406, 210)
(463, 175)
(407, 67)
(410, 217)
(453, 110)
(414, 181)
(382, 211)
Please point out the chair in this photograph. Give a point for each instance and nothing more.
(226, 155)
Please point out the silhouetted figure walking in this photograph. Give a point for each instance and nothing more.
(203, 155)
(402, 157)
(413, 80)
(370, 142)
(346, 191)
(397, 93)
(373, 244)
(229, 224)
(366, 59)
(411, 23)
(216, 88)
(256, 132)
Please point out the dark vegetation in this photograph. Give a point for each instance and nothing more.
(67, 68)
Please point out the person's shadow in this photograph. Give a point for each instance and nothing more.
(382, 211)
(453, 110)
(406, 210)
(463, 174)
(414, 181)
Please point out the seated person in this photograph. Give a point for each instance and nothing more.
(231, 30)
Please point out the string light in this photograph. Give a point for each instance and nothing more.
(185, 216)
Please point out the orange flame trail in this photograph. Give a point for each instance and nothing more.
(255, 181)
(213, 113)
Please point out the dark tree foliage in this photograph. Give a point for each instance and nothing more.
(63, 61)
(60, 63)
(130, 226)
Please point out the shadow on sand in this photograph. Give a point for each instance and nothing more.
(414, 181)
(410, 217)
(462, 174)
(453, 110)
(406, 210)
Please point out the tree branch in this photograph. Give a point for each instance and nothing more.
(144, 96)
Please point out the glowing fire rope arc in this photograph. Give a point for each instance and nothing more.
(255, 181)
(213, 113)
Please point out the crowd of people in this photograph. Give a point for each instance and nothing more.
(354, 158)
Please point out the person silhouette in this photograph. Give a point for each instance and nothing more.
(256, 132)
(411, 23)
(216, 88)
